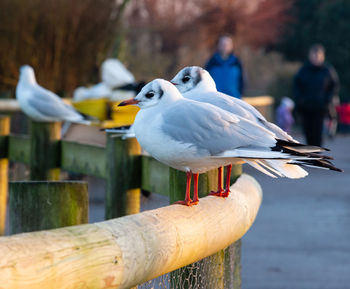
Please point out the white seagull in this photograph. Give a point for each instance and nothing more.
(196, 83)
(195, 137)
(41, 104)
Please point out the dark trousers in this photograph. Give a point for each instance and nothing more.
(312, 122)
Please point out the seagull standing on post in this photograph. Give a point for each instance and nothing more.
(41, 104)
(196, 137)
(196, 83)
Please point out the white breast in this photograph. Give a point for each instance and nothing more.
(181, 156)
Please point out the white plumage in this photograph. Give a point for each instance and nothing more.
(41, 104)
(194, 136)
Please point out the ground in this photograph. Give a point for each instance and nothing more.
(301, 236)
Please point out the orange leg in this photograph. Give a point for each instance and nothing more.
(220, 190)
(195, 190)
(187, 201)
(228, 180)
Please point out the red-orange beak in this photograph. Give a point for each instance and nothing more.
(129, 102)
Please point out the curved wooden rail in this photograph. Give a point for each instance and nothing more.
(127, 251)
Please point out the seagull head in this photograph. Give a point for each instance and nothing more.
(193, 77)
(26, 73)
(156, 92)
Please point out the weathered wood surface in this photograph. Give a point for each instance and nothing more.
(83, 158)
(44, 150)
(43, 205)
(4, 131)
(19, 148)
(155, 176)
(127, 251)
(123, 176)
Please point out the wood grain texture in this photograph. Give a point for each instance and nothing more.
(4, 131)
(127, 251)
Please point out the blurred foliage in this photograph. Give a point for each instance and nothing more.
(326, 22)
(65, 41)
(164, 35)
(267, 72)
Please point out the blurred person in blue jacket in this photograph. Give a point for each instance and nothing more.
(226, 68)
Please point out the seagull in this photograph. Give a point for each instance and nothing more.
(41, 104)
(196, 83)
(195, 137)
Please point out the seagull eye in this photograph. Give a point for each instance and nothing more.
(149, 94)
(185, 79)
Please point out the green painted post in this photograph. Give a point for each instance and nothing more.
(4, 131)
(123, 174)
(44, 150)
(43, 205)
(221, 270)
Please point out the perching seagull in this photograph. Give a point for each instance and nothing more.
(41, 104)
(196, 137)
(196, 83)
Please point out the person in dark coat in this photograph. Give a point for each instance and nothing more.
(226, 69)
(315, 85)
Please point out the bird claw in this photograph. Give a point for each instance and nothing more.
(194, 202)
(185, 203)
(220, 193)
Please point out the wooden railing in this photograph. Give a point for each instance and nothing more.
(126, 171)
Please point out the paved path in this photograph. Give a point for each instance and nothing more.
(301, 237)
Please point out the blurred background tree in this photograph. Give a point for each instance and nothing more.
(167, 35)
(321, 21)
(65, 41)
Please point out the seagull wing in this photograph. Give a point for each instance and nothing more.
(238, 107)
(212, 129)
(51, 105)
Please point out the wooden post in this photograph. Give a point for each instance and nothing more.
(42, 205)
(123, 176)
(221, 270)
(4, 130)
(44, 150)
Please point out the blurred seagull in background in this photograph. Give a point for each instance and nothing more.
(41, 104)
(195, 137)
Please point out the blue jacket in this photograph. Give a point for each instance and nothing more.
(227, 74)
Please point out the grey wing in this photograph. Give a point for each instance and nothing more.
(240, 108)
(223, 101)
(49, 104)
(212, 129)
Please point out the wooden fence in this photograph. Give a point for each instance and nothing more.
(126, 171)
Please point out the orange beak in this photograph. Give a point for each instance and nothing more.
(129, 102)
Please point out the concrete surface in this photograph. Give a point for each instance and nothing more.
(301, 237)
